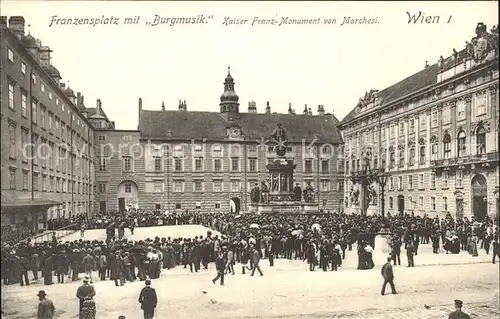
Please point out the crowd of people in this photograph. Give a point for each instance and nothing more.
(321, 240)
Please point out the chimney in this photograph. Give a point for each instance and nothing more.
(185, 105)
(63, 86)
(162, 106)
(305, 112)
(252, 107)
(321, 110)
(140, 110)
(427, 64)
(113, 124)
(16, 25)
(45, 56)
(3, 23)
(290, 111)
(98, 107)
(79, 101)
(268, 108)
(310, 112)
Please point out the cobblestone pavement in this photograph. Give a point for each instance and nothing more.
(287, 291)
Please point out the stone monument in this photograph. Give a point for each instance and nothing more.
(280, 196)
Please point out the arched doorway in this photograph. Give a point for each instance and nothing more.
(401, 204)
(479, 197)
(127, 195)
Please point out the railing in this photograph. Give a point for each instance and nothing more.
(47, 235)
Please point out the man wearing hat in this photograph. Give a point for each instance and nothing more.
(388, 275)
(85, 290)
(45, 306)
(458, 314)
(148, 300)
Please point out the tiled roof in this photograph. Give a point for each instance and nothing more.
(212, 125)
(417, 81)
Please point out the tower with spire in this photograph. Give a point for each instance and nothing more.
(229, 105)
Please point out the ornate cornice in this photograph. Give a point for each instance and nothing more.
(468, 98)
(493, 90)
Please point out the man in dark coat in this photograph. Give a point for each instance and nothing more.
(256, 259)
(148, 300)
(458, 314)
(220, 265)
(45, 307)
(388, 277)
(410, 251)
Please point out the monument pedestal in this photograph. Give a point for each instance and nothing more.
(284, 208)
(381, 244)
(372, 210)
(355, 209)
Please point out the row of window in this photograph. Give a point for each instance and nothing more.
(45, 153)
(412, 205)
(47, 183)
(217, 165)
(447, 177)
(38, 118)
(479, 107)
(461, 151)
(199, 186)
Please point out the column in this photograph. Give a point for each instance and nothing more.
(417, 137)
(470, 140)
(428, 135)
(492, 137)
(453, 119)
(387, 143)
(406, 152)
(452, 108)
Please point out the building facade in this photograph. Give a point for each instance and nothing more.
(47, 142)
(181, 160)
(434, 135)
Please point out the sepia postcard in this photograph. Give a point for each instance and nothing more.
(249, 159)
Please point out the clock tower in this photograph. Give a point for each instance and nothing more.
(229, 105)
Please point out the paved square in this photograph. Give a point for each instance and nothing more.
(287, 290)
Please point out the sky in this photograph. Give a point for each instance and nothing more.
(326, 64)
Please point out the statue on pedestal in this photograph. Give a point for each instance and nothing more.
(308, 193)
(372, 194)
(354, 194)
(264, 192)
(274, 183)
(284, 183)
(297, 190)
(255, 194)
(278, 136)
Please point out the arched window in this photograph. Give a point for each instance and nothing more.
(461, 147)
(481, 140)
(447, 145)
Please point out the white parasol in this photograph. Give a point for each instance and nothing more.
(237, 216)
(254, 226)
(295, 232)
(316, 227)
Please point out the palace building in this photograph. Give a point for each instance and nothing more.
(432, 138)
(181, 160)
(47, 137)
